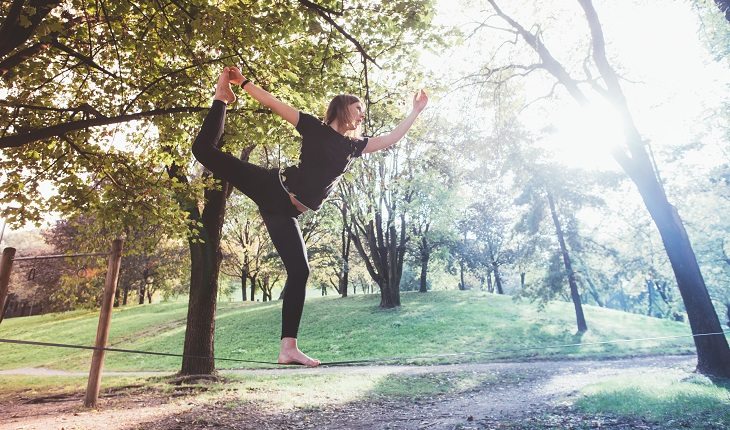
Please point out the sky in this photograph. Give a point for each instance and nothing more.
(671, 80)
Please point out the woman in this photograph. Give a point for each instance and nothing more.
(327, 150)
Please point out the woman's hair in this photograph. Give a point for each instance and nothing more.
(337, 111)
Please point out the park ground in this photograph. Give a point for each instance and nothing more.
(444, 360)
(655, 392)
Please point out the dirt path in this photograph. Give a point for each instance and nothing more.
(505, 393)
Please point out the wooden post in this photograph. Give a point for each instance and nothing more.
(105, 317)
(6, 265)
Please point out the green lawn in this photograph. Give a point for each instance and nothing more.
(467, 324)
(676, 398)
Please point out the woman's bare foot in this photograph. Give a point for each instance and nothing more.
(223, 91)
(235, 76)
(290, 354)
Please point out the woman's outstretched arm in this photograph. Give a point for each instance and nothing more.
(280, 108)
(420, 100)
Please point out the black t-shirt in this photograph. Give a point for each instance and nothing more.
(325, 156)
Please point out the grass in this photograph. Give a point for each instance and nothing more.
(334, 329)
(676, 398)
(288, 391)
(14, 386)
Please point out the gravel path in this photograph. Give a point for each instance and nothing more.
(518, 390)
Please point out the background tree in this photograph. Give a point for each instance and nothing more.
(433, 204)
(713, 351)
(380, 223)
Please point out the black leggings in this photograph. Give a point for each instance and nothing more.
(278, 212)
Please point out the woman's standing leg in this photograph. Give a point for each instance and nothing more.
(287, 239)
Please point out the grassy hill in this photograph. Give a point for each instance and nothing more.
(466, 324)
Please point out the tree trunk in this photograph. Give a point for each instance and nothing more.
(580, 318)
(243, 287)
(253, 288)
(344, 278)
(384, 260)
(262, 287)
(425, 256)
(265, 287)
(205, 260)
(462, 286)
(594, 292)
(650, 292)
(345, 252)
(142, 286)
(201, 311)
(623, 300)
(497, 278)
(389, 296)
(379, 233)
(522, 280)
(713, 352)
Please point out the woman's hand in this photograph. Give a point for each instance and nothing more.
(288, 113)
(420, 100)
(235, 76)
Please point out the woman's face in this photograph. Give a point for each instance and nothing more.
(356, 113)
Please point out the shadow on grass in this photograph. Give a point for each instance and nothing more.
(319, 401)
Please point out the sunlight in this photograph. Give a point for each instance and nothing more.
(584, 136)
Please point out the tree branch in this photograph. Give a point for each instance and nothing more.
(84, 59)
(12, 33)
(548, 61)
(9, 63)
(324, 13)
(167, 75)
(21, 139)
(614, 92)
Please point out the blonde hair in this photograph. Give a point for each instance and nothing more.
(337, 111)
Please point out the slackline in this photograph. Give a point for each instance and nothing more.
(364, 361)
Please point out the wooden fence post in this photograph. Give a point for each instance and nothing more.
(6, 265)
(102, 332)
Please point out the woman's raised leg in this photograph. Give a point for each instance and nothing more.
(243, 175)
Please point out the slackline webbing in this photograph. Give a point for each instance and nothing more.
(532, 348)
(129, 351)
(373, 360)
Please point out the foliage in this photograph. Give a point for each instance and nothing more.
(71, 283)
(93, 69)
(572, 190)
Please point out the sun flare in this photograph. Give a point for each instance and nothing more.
(583, 136)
